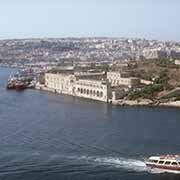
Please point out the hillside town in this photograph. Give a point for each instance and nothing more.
(47, 51)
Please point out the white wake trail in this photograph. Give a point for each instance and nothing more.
(130, 164)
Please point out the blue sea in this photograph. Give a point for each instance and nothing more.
(46, 136)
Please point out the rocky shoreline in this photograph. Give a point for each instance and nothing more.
(146, 102)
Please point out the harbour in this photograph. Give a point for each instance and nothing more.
(22, 79)
(53, 136)
(113, 87)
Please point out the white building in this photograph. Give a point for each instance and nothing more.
(93, 89)
(65, 83)
(116, 79)
(60, 83)
(177, 62)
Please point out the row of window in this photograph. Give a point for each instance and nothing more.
(174, 163)
(90, 85)
(120, 81)
(90, 92)
(52, 79)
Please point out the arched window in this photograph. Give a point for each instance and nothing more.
(94, 93)
(81, 90)
(101, 94)
(91, 92)
(97, 93)
(87, 91)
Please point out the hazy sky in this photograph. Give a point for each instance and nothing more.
(152, 19)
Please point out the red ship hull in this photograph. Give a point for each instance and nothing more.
(20, 87)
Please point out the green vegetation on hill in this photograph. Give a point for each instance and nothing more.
(161, 82)
(148, 92)
(164, 62)
(162, 78)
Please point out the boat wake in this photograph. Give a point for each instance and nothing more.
(53, 164)
(124, 163)
(159, 171)
(129, 164)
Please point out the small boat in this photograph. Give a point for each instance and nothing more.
(19, 85)
(164, 163)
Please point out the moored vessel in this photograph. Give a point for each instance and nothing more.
(21, 80)
(164, 163)
(20, 86)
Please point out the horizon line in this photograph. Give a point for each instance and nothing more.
(90, 37)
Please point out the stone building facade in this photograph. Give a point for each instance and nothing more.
(89, 75)
(60, 83)
(71, 85)
(113, 86)
(116, 79)
(93, 89)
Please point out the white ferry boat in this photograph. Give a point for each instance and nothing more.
(165, 163)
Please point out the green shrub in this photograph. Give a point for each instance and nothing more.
(148, 92)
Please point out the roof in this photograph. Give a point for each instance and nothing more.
(170, 157)
(166, 157)
(178, 159)
(61, 71)
(154, 158)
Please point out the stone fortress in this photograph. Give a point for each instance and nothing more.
(101, 86)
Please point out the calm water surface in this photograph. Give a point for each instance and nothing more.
(54, 137)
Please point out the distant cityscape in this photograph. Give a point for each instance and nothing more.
(83, 50)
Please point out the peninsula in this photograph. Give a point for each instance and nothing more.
(121, 71)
